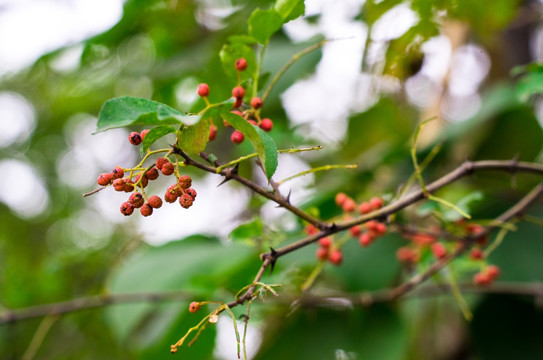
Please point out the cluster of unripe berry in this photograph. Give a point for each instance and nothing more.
(250, 113)
(181, 190)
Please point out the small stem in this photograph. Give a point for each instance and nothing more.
(313, 276)
(253, 155)
(497, 242)
(39, 336)
(257, 69)
(320, 168)
(448, 204)
(460, 300)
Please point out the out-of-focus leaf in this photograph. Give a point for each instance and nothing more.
(289, 9)
(247, 232)
(529, 85)
(376, 333)
(263, 24)
(463, 204)
(172, 267)
(262, 143)
(125, 111)
(154, 134)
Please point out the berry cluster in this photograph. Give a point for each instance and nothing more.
(422, 243)
(250, 112)
(138, 178)
(366, 233)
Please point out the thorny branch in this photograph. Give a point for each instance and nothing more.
(269, 258)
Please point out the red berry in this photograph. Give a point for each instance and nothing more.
(117, 173)
(170, 196)
(160, 162)
(185, 181)
(252, 122)
(439, 250)
(152, 174)
(146, 210)
(185, 201)
(136, 199)
(348, 205)
(364, 208)
(372, 225)
(129, 187)
(322, 253)
(423, 239)
(481, 279)
(127, 209)
(134, 138)
(144, 180)
(192, 193)
(493, 272)
(310, 229)
(325, 242)
(203, 89)
(241, 64)
(407, 255)
(168, 168)
(238, 103)
(476, 254)
(212, 132)
(104, 179)
(256, 103)
(380, 228)
(355, 230)
(237, 137)
(143, 133)
(365, 239)
(336, 257)
(376, 203)
(238, 92)
(155, 201)
(194, 306)
(340, 198)
(266, 124)
(119, 184)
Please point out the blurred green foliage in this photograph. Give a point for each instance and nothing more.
(156, 49)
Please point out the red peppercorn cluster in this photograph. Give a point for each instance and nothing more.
(487, 275)
(249, 112)
(137, 179)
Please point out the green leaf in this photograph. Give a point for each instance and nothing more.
(263, 24)
(262, 143)
(247, 232)
(198, 265)
(263, 79)
(127, 110)
(193, 139)
(231, 52)
(165, 112)
(154, 134)
(530, 84)
(289, 9)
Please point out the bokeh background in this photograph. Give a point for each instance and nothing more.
(391, 64)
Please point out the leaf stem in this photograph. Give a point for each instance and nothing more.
(320, 168)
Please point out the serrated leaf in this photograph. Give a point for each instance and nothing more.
(165, 112)
(231, 52)
(127, 110)
(247, 232)
(263, 24)
(262, 143)
(289, 9)
(154, 134)
(193, 139)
